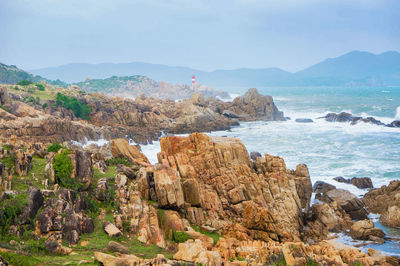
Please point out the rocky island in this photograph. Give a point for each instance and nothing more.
(206, 201)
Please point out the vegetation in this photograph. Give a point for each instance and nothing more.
(63, 169)
(119, 160)
(180, 237)
(10, 210)
(24, 82)
(39, 86)
(108, 84)
(5, 109)
(35, 177)
(79, 109)
(9, 162)
(54, 147)
(214, 236)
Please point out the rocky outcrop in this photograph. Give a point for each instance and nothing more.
(82, 168)
(35, 201)
(111, 230)
(379, 199)
(324, 218)
(391, 217)
(64, 218)
(360, 182)
(366, 230)
(253, 106)
(322, 187)
(347, 201)
(121, 148)
(22, 162)
(221, 182)
(353, 120)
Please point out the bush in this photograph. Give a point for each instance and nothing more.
(9, 162)
(180, 237)
(24, 82)
(55, 147)
(63, 169)
(78, 108)
(10, 210)
(40, 86)
(119, 160)
(45, 105)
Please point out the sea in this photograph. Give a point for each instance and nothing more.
(329, 149)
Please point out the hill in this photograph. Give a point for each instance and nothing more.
(10, 74)
(134, 86)
(354, 68)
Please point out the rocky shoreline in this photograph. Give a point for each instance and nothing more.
(206, 202)
(143, 119)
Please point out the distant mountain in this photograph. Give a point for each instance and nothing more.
(354, 68)
(135, 86)
(10, 74)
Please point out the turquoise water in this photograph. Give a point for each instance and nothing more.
(329, 149)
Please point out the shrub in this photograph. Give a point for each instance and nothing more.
(119, 160)
(180, 237)
(7, 147)
(79, 109)
(10, 210)
(45, 105)
(55, 147)
(9, 162)
(24, 82)
(63, 169)
(40, 86)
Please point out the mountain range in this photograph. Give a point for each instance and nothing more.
(351, 69)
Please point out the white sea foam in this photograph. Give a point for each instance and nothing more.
(86, 142)
(230, 99)
(397, 116)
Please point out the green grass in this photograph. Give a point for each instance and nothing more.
(214, 236)
(180, 237)
(22, 183)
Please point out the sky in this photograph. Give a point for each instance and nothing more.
(202, 34)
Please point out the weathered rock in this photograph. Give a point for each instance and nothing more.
(347, 201)
(304, 120)
(322, 187)
(365, 230)
(168, 187)
(109, 260)
(55, 248)
(230, 114)
(117, 247)
(190, 250)
(346, 117)
(303, 184)
(35, 201)
(83, 168)
(102, 189)
(22, 162)
(121, 148)
(254, 155)
(395, 123)
(391, 217)
(378, 200)
(360, 182)
(229, 182)
(324, 218)
(127, 171)
(111, 229)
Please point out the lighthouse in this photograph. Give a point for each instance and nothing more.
(193, 80)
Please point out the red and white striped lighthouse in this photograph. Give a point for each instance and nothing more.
(193, 80)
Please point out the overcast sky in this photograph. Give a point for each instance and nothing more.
(203, 34)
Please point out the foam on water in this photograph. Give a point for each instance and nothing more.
(397, 116)
(84, 144)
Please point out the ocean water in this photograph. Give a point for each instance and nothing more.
(329, 149)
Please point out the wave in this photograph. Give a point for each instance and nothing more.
(397, 116)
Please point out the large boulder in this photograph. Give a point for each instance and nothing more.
(378, 200)
(347, 201)
(391, 217)
(322, 187)
(122, 148)
(366, 230)
(360, 182)
(35, 201)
